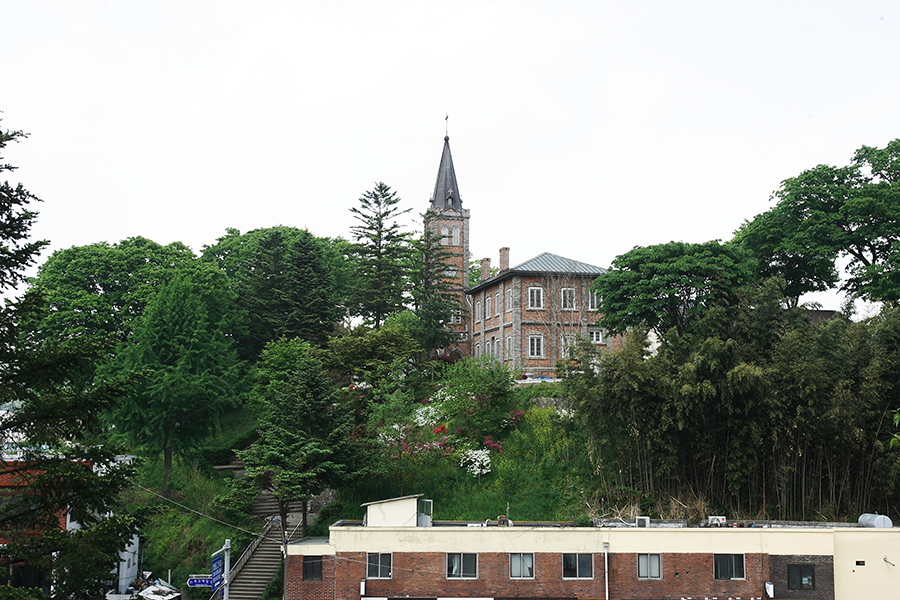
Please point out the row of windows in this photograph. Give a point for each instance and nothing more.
(464, 565)
(568, 301)
(492, 347)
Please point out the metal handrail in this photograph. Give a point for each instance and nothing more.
(245, 556)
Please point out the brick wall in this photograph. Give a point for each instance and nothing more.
(824, 575)
(423, 574)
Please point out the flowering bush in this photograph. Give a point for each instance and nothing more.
(476, 462)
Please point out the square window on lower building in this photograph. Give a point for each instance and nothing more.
(578, 566)
(521, 565)
(379, 565)
(461, 565)
(801, 577)
(649, 566)
(728, 566)
(312, 568)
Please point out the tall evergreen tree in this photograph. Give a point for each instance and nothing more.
(190, 365)
(433, 300)
(303, 444)
(286, 281)
(54, 454)
(382, 254)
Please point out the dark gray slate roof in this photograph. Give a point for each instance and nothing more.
(553, 263)
(544, 263)
(446, 191)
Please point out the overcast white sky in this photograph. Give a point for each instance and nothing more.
(578, 128)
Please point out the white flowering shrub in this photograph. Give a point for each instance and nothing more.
(476, 462)
(427, 416)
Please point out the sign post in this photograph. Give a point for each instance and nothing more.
(221, 566)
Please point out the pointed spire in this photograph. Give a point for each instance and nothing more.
(446, 192)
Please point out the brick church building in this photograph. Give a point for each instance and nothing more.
(526, 316)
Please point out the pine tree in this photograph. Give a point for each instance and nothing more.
(191, 367)
(382, 255)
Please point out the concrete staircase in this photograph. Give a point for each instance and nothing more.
(254, 571)
(261, 567)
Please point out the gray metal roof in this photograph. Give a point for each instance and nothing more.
(553, 263)
(446, 191)
(544, 263)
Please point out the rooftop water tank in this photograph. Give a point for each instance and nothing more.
(872, 520)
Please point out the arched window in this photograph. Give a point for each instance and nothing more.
(445, 235)
(456, 236)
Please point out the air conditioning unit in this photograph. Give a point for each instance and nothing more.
(716, 521)
(642, 522)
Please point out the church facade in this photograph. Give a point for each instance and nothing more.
(527, 316)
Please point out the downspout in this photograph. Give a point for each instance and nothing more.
(606, 569)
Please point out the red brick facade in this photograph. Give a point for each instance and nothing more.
(424, 575)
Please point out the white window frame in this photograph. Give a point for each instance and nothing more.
(595, 336)
(578, 573)
(477, 350)
(518, 563)
(488, 348)
(478, 311)
(649, 566)
(497, 304)
(461, 574)
(593, 301)
(568, 298)
(509, 346)
(536, 298)
(445, 235)
(731, 564)
(487, 307)
(509, 302)
(537, 339)
(455, 241)
(379, 565)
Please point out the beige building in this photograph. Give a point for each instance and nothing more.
(399, 551)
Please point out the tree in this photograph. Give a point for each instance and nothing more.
(191, 367)
(16, 219)
(101, 289)
(433, 300)
(828, 213)
(669, 285)
(382, 255)
(303, 446)
(285, 280)
(55, 460)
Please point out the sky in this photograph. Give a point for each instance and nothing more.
(581, 128)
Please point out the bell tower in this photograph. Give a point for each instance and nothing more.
(448, 219)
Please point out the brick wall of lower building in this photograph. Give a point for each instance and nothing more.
(823, 576)
(424, 574)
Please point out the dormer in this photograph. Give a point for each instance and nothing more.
(406, 511)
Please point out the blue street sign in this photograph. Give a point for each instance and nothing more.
(200, 581)
(217, 564)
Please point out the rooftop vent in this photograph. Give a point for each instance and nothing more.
(642, 522)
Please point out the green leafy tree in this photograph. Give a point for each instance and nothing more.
(303, 446)
(381, 253)
(829, 213)
(101, 289)
(191, 367)
(285, 279)
(478, 399)
(55, 461)
(669, 286)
